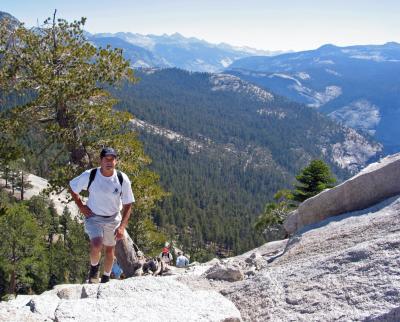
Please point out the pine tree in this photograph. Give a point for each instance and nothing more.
(312, 180)
(270, 222)
(22, 253)
(64, 79)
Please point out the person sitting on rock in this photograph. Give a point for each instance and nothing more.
(154, 266)
(182, 260)
(139, 265)
(166, 256)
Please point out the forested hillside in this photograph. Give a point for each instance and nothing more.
(222, 148)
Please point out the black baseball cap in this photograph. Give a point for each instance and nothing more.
(108, 151)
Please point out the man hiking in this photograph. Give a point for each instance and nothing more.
(110, 193)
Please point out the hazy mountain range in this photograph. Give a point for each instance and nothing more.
(175, 51)
(358, 85)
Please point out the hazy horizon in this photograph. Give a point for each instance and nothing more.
(265, 25)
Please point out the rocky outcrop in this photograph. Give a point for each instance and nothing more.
(126, 253)
(134, 299)
(345, 268)
(354, 151)
(222, 272)
(375, 183)
(38, 185)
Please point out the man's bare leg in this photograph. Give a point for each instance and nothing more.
(95, 253)
(96, 245)
(109, 258)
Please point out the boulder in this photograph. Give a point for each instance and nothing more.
(22, 300)
(375, 183)
(256, 260)
(225, 272)
(69, 291)
(147, 299)
(134, 299)
(126, 253)
(12, 313)
(45, 305)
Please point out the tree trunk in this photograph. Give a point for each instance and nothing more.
(126, 253)
(22, 185)
(12, 282)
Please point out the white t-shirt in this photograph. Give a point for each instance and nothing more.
(105, 198)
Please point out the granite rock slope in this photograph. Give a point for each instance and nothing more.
(345, 268)
(134, 299)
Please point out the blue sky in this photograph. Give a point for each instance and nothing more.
(263, 24)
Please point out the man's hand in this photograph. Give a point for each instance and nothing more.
(119, 232)
(86, 211)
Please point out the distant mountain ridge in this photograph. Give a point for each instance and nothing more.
(138, 56)
(176, 50)
(356, 85)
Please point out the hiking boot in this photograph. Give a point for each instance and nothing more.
(105, 279)
(94, 274)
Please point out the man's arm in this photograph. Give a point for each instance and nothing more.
(126, 213)
(82, 208)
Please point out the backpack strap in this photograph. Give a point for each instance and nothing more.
(91, 177)
(120, 177)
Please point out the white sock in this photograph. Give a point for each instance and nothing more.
(107, 273)
(94, 264)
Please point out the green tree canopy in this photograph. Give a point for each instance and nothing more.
(23, 257)
(312, 180)
(66, 108)
(270, 222)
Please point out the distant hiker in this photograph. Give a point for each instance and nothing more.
(166, 256)
(110, 193)
(154, 266)
(181, 260)
(116, 271)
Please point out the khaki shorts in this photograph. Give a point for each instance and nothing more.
(104, 227)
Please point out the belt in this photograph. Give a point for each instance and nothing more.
(106, 216)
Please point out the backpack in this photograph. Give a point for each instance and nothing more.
(93, 175)
(167, 256)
